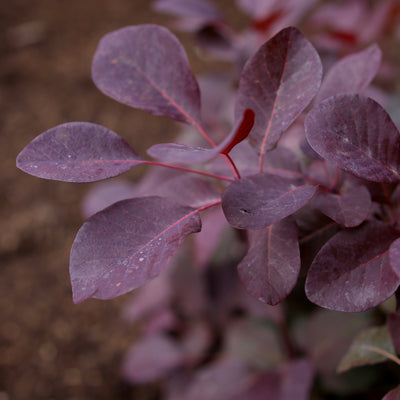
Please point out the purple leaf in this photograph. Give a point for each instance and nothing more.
(270, 269)
(146, 67)
(77, 152)
(356, 134)
(153, 357)
(202, 9)
(349, 210)
(362, 350)
(260, 200)
(174, 152)
(394, 256)
(127, 245)
(278, 82)
(352, 272)
(223, 380)
(352, 74)
(393, 394)
(297, 379)
(106, 193)
(393, 326)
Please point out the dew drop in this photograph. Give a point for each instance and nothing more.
(141, 259)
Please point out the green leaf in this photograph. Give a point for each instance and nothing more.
(371, 346)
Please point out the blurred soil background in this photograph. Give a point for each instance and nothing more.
(49, 347)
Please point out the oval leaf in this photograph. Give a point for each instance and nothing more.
(367, 348)
(349, 210)
(146, 67)
(260, 200)
(393, 394)
(352, 272)
(270, 269)
(356, 134)
(351, 74)
(278, 82)
(126, 245)
(77, 152)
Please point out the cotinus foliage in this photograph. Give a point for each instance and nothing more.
(277, 166)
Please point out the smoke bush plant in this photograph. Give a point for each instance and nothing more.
(308, 171)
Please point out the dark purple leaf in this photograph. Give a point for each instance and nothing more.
(260, 200)
(393, 394)
(363, 349)
(352, 271)
(356, 134)
(393, 326)
(127, 245)
(351, 74)
(146, 67)
(174, 152)
(394, 256)
(349, 210)
(153, 357)
(202, 9)
(77, 152)
(278, 82)
(270, 269)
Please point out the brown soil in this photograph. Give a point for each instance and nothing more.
(50, 348)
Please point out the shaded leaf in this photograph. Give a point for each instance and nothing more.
(278, 82)
(126, 245)
(146, 67)
(393, 326)
(393, 394)
(223, 380)
(352, 271)
(324, 343)
(77, 152)
(351, 74)
(260, 200)
(349, 209)
(153, 357)
(257, 344)
(356, 134)
(362, 351)
(174, 152)
(270, 269)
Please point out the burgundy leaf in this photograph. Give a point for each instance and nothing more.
(349, 210)
(174, 152)
(356, 134)
(278, 82)
(260, 200)
(352, 272)
(153, 357)
(352, 74)
(297, 379)
(146, 67)
(127, 245)
(393, 326)
(270, 269)
(77, 152)
(393, 394)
